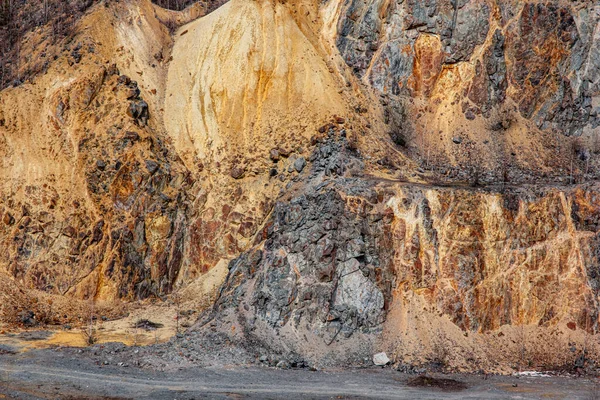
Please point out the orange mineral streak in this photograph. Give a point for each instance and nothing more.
(428, 63)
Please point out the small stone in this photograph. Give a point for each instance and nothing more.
(284, 152)
(112, 70)
(132, 136)
(237, 172)
(340, 120)
(381, 359)
(283, 364)
(132, 93)
(138, 110)
(8, 219)
(27, 318)
(273, 172)
(457, 140)
(274, 155)
(123, 79)
(299, 164)
(263, 359)
(100, 165)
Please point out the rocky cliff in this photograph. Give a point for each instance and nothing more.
(414, 177)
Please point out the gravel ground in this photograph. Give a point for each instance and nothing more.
(70, 374)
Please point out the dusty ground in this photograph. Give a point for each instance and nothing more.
(130, 330)
(122, 323)
(51, 374)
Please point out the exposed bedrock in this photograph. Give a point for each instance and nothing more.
(544, 56)
(350, 265)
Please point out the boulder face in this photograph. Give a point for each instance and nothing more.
(404, 177)
(319, 273)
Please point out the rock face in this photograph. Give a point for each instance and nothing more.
(398, 176)
(479, 67)
(339, 272)
(93, 199)
(498, 248)
(405, 47)
(401, 46)
(319, 270)
(286, 86)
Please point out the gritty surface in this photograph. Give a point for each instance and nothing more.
(51, 374)
(276, 135)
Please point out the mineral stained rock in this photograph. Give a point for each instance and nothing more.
(379, 175)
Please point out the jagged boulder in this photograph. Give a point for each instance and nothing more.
(318, 275)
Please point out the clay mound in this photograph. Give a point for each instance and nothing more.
(245, 79)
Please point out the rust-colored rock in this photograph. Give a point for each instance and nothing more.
(460, 202)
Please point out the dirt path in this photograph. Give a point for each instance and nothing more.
(47, 376)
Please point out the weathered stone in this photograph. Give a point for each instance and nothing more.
(357, 292)
(381, 359)
(27, 318)
(238, 172)
(8, 219)
(138, 110)
(299, 164)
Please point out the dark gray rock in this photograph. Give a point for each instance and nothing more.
(299, 164)
(318, 271)
(27, 318)
(138, 110)
(555, 86)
